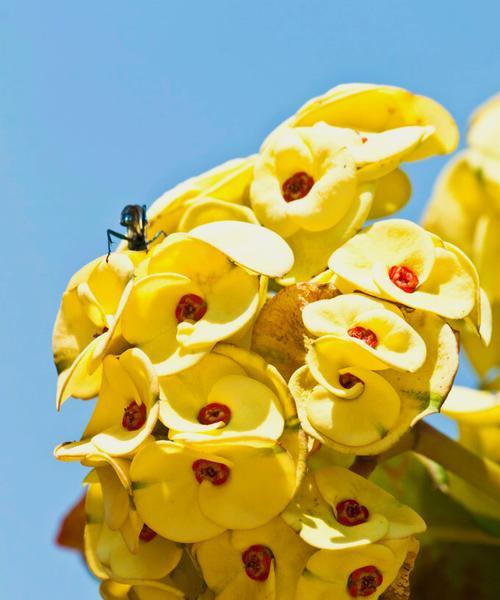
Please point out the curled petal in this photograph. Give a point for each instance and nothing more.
(254, 247)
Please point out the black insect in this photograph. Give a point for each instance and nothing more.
(134, 218)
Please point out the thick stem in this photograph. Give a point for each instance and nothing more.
(482, 473)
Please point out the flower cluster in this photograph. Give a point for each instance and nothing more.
(213, 472)
(465, 209)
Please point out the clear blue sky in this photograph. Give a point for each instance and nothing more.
(112, 102)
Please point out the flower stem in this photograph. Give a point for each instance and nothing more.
(481, 472)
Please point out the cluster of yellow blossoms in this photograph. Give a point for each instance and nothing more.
(465, 208)
(213, 474)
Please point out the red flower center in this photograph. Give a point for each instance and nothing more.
(348, 380)
(257, 560)
(404, 278)
(147, 534)
(362, 333)
(213, 413)
(134, 416)
(297, 186)
(350, 512)
(190, 308)
(364, 581)
(215, 472)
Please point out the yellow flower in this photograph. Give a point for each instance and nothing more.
(352, 573)
(217, 398)
(220, 192)
(400, 261)
(86, 320)
(477, 414)
(154, 557)
(193, 295)
(113, 476)
(378, 334)
(378, 108)
(201, 211)
(465, 209)
(190, 493)
(151, 590)
(88, 306)
(484, 129)
(336, 509)
(305, 180)
(257, 563)
(315, 185)
(126, 410)
(356, 411)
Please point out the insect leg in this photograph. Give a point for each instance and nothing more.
(154, 238)
(115, 234)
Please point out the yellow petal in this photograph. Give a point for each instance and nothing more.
(384, 244)
(149, 320)
(94, 291)
(254, 411)
(456, 204)
(449, 290)
(384, 152)
(121, 466)
(479, 319)
(210, 210)
(233, 301)
(358, 421)
(228, 181)
(246, 589)
(392, 193)
(261, 483)
(117, 441)
(329, 357)
(289, 551)
(487, 250)
(312, 514)
(472, 407)
(484, 128)
(150, 309)
(369, 107)
(398, 344)
(313, 248)
(80, 380)
(126, 378)
(218, 560)
(251, 246)
(336, 484)
(327, 572)
(156, 591)
(483, 358)
(286, 155)
(337, 315)
(70, 451)
(115, 497)
(166, 493)
(112, 590)
(257, 368)
(153, 560)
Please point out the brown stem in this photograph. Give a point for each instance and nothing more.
(364, 465)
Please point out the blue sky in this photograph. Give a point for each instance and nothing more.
(112, 102)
